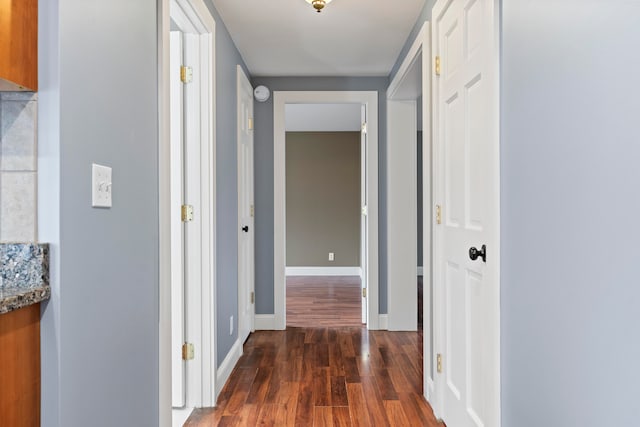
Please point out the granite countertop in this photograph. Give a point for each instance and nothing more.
(15, 298)
(24, 275)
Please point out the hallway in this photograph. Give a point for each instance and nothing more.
(324, 377)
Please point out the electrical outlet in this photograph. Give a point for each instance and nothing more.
(331, 256)
(231, 325)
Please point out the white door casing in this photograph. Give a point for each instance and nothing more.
(194, 20)
(280, 100)
(412, 81)
(246, 232)
(466, 182)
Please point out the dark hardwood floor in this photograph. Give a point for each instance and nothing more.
(326, 369)
(345, 376)
(323, 301)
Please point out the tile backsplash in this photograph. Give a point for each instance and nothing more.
(18, 166)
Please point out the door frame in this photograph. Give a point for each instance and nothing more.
(406, 75)
(280, 99)
(243, 79)
(192, 14)
(439, 296)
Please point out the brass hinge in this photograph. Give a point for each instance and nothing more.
(250, 123)
(187, 213)
(186, 74)
(188, 352)
(438, 214)
(437, 65)
(253, 297)
(252, 210)
(439, 363)
(364, 292)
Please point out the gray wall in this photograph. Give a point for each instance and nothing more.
(227, 60)
(323, 198)
(98, 103)
(570, 149)
(264, 173)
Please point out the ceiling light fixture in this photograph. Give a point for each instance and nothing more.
(318, 5)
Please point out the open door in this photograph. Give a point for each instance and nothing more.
(178, 374)
(246, 232)
(363, 198)
(467, 225)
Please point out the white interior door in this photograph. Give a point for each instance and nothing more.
(246, 233)
(177, 229)
(467, 167)
(363, 204)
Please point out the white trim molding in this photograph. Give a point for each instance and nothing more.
(323, 271)
(265, 322)
(180, 415)
(227, 365)
(384, 322)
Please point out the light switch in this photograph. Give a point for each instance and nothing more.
(100, 186)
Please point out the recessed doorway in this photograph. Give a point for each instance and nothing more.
(324, 218)
(368, 103)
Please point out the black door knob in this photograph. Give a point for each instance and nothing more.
(245, 228)
(474, 253)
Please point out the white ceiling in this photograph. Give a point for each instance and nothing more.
(322, 117)
(348, 38)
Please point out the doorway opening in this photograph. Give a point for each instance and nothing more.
(325, 181)
(367, 102)
(409, 167)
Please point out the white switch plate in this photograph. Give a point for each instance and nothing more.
(100, 186)
(331, 256)
(231, 325)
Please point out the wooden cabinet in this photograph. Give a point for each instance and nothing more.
(20, 367)
(19, 45)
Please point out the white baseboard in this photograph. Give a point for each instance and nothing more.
(179, 416)
(264, 322)
(323, 271)
(420, 271)
(227, 365)
(384, 322)
(430, 390)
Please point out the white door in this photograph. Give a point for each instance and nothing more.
(363, 204)
(177, 228)
(467, 186)
(246, 233)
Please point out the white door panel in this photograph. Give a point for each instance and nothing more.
(363, 214)
(246, 232)
(178, 390)
(193, 236)
(466, 144)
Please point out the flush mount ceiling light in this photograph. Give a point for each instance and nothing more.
(318, 5)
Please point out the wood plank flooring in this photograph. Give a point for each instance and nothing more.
(338, 376)
(314, 301)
